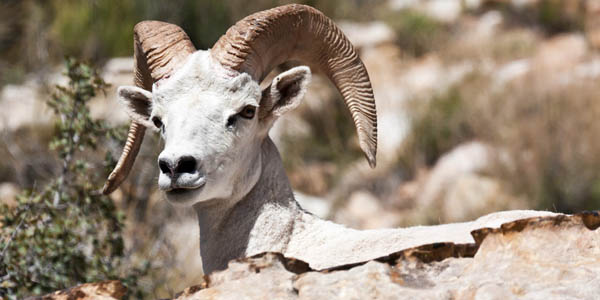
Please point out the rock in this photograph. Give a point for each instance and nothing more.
(407, 191)
(402, 4)
(473, 195)
(429, 76)
(22, 105)
(586, 70)
(106, 290)
(592, 23)
(464, 159)
(116, 72)
(364, 211)
(455, 189)
(560, 53)
(511, 71)
(523, 3)
(393, 127)
(367, 34)
(546, 257)
(446, 11)
(489, 24)
(25, 104)
(374, 280)
(425, 74)
(118, 65)
(315, 205)
(264, 277)
(8, 193)
(473, 4)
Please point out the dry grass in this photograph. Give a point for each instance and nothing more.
(550, 132)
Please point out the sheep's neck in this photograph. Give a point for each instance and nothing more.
(268, 219)
(261, 221)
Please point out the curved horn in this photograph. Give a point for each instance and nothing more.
(159, 48)
(260, 42)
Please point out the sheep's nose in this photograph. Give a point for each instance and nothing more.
(184, 164)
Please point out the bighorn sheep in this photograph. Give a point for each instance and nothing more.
(218, 156)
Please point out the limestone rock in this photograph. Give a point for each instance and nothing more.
(547, 257)
(116, 72)
(8, 193)
(24, 105)
(315, 205)
(472, 195)
(21, 105)
(369, 281)
(443, 10)
(560, 53)
(446, 11)
(367, 34)
(265, 277)
(363, 210)
(465, 160)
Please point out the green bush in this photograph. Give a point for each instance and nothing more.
(561, 15)
(416, 32)
(439, 124)
(67, 233)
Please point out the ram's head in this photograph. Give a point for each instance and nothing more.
(209, 108)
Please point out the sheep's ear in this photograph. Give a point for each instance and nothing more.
(285, 92)
(137, 102)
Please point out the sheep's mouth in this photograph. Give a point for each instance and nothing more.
(181, 187)
(178, 191)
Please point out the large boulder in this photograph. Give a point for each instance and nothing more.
(457, 189)
(548, 257)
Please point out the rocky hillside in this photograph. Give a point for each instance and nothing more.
(483, 106)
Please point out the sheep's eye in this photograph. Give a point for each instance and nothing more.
(248, 112)
(157, 122)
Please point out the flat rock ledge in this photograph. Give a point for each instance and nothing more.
(550, 257)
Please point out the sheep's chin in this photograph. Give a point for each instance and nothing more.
(184, 197)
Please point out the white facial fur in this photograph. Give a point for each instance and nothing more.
(194, 107)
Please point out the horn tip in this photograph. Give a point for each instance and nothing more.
(108, 188)
(111, 184)
(372, 161)
(370, 153)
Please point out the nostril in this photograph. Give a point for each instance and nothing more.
(164, 166)
(186, 164)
